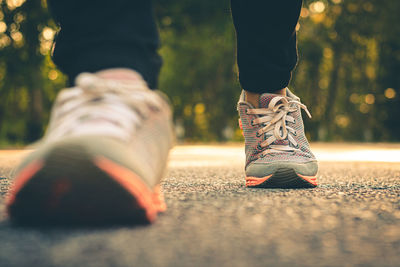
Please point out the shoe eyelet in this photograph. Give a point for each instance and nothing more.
(258, 135)
(262, 156)
(259, 147)
(252, 123)
(294, 133)
(294, 121)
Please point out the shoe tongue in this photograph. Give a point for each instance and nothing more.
(265, 99)
(264, 102)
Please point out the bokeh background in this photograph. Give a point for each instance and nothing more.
(348, 74)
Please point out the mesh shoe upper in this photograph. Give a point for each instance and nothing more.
(105, 107)
(120, 120)
(274, 132)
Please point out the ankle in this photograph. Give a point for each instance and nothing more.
(254, 98)
(119, 74)
(281, 92)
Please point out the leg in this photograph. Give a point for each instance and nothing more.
(98, 36)
(277, 151)
(266, 43)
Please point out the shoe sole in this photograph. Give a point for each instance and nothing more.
(70, 187)
(282, 178)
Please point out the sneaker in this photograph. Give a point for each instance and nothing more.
(101, 160)
(278, 154)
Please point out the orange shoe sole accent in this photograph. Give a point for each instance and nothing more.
(253, 181)
(158, 199)
(22, 178)
(151, 201)
(311, 179)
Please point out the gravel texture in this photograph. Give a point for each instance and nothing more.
(351, 219)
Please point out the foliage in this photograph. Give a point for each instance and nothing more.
(26, 90)
(347, 74)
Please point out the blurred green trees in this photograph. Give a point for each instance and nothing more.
(348, 73)
(28, 80)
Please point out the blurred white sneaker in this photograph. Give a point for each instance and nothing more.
(102, 158)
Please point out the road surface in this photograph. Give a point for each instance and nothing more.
(351, 219)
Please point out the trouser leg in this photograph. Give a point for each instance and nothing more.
(97, 35)
(266, 42)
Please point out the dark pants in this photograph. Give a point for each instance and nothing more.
(123, 34)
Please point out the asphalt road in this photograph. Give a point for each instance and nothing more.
(351, 219)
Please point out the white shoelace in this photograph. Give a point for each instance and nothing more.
(99, 106)
(273, 119)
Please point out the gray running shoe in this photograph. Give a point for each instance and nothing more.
(101, 160)
(278, 154)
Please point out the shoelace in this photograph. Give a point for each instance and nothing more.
(116, 107)
(273, 119)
